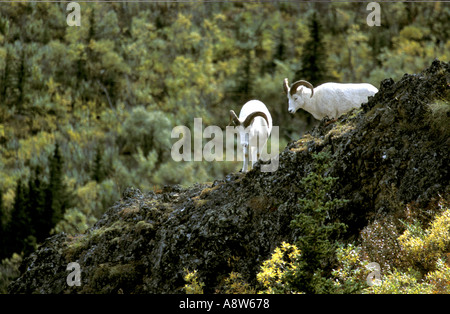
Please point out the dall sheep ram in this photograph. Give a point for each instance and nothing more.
(254, 122)
(329, 99)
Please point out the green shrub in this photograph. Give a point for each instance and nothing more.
(351, 274)
(9, 271)
(318, 232)
(425, 251)
(401, 282)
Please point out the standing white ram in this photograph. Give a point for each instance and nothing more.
(254, 125)
(327, 100)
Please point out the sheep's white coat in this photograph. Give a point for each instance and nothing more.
(258, 129)
(330, 99)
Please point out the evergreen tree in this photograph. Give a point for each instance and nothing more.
(36, 203)
(317, 242)
(314, 56)
(98, 172)
(246, 87)
(56, 195)
(19, 226)
(5, 77)
(21, 78)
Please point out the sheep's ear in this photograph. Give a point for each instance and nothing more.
(286, 86)
(295, 85)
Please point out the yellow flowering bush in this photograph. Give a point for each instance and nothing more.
(235, 284)
(440, 278)
(193, 284)
(428, 254)
(273, 271)
(426, 247)
(398, 282)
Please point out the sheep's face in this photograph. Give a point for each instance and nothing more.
(296, 101)
(296, 94)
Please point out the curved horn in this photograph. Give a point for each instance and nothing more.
(302, 83)
(234, 118)
(253, 115)
(286, 85)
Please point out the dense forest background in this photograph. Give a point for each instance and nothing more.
(87, 111)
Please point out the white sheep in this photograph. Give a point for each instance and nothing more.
(254, 122)
(327, 100)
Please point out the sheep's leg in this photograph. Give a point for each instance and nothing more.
(254, 150)
(262, 145)
(245, 165)
(254, 153)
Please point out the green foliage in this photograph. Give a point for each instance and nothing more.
(19, 235)
(425, 247)
(57, 197)
(148, 131)
(38, 207)
(439, 280)
(351, 273)
(306, 267)
(398, 282)
(314, 56)
(412, 282)
(422, 268)
(9, 270)
(99, 171)
(318, 234)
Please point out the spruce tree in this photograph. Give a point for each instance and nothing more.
(314, 56)
(5, 77)
(21, 79)
(319, 236)
(98, 172)
(56, 196)
(36, 204)
(19, 225)
(56, 186)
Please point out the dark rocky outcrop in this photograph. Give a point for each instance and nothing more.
(391, 152)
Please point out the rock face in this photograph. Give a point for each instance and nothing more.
(393, 151)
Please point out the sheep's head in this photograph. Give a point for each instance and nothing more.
(295, 95)
(243, 126)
